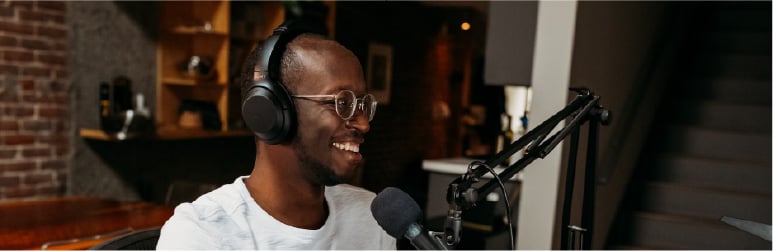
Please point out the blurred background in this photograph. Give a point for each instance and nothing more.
(138, 102)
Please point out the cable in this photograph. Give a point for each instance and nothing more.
(504, 193)
(507, 205)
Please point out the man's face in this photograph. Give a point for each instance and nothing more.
(328, 146)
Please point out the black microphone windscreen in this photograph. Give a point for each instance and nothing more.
(395, 211)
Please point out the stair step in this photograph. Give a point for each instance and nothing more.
(710, 155)
(730, 90)
(718, 144)
(744, 18)
(684, 232)
(712, 203)
(751, 66)
(742, 42)
(728, 175)
(632, 247)
(725, 116)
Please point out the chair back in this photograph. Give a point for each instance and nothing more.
(138, 240)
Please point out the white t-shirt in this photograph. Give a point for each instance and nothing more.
(228, 218)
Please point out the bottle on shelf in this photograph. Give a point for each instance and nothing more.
(505, 137)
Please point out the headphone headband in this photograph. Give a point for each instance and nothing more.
(274, 47)
(267, 108)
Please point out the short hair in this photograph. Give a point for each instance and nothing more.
(288, 72)
(289, 68)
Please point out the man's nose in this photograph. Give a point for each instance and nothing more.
(359, 121)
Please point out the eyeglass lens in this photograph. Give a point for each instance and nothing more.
(347, 104)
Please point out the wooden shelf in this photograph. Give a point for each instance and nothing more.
(184, 35)
(191, 82)
(95, 134)
(166, 134)
(197, 32)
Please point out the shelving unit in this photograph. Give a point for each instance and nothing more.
(204, 29)
(192, 28)
(97, 134)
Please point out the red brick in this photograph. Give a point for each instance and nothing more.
(52, 139)
(52, 5)
(47, 97)
(23, 111)
(61, 178)
(8, 125)
(7, 154)
(31, 97)
(17, 28)
(62, 150)
(27, 85)
(9, 69)
(35, 71)
(10, 181)
(18, 56)
(60, 87)
(32, 179)
(27, 16)
(36, 152)
(51, 32)
(8, 41)
(54, 165)
(60, 19)
(50, 112)
(23, 4)
(20, 192)
(36, 125)
(37, 16)
(61, 74)
(59, 46)
(17, 167)
(11, 97)
(52, 59)
(18, 139)
(61, 125)
(6, 12)
(35, 44)
(50, 190)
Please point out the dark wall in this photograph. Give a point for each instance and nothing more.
(109, 39)
(431, 65)
(618, 50)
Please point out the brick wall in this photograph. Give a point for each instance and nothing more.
(34, 127)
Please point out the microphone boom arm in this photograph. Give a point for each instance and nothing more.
(461, 194)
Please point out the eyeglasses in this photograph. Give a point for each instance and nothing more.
(346, 103)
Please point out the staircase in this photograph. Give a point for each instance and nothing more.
(709, 152)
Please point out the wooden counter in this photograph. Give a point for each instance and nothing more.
(30, 224)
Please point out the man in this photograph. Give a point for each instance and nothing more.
(295, 197)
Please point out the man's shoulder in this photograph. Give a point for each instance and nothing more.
(211, 221)
(223, 201)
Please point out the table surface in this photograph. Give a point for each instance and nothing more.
(30, 224)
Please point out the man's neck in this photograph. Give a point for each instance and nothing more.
(279, 188)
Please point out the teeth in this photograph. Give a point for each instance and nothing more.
(347, 147)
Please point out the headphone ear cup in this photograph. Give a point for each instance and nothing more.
(268, 112)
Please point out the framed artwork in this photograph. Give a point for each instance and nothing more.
(379, 73)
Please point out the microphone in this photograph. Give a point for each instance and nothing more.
(397, 213)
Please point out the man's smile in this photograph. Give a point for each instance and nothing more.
(347, 146)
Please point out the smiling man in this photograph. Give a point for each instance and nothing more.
(296, 196)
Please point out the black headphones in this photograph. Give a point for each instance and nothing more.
(267, 108)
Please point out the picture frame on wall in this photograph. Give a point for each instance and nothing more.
(379, 72)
